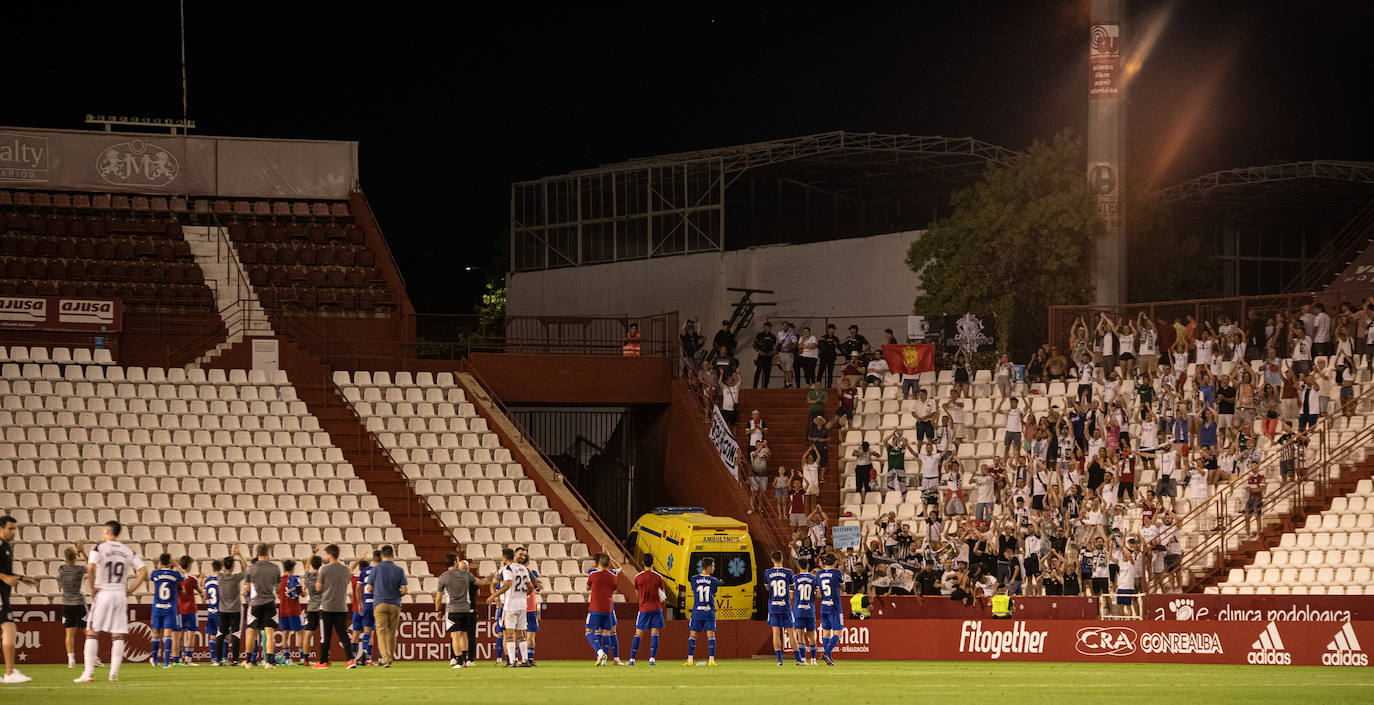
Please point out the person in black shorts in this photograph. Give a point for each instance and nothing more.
(456, 584)
(69, 578)
(230, 605)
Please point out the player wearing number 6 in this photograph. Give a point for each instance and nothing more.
(779, 583)
(704, 586)
(165, 581)
(107, 569)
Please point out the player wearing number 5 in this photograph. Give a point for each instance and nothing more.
(107, 569)
(778, 581)
(704, 586)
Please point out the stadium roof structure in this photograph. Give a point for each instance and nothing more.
(1313, 183)
(814, 187)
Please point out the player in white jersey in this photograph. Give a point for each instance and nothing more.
(514, 592)
(108, 569)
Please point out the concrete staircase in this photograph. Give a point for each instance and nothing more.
(785, 412)
(315, 386)
(235, 299)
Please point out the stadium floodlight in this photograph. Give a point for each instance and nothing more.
(109, 121)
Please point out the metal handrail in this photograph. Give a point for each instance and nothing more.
(562, 478)
(1212, 553)
(1341, 246)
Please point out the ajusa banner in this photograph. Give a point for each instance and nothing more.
(60, 313)
(909, 359)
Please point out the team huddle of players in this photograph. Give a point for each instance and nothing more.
(795, 601)
(807, 604)
(267, 591)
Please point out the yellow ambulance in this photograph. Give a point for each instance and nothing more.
(679, 537)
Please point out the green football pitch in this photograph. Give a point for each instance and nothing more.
(755, 681)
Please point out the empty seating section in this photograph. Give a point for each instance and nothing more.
(80, 356)
(881, 409)
(1332, 554)
(306, 255)
(479, 494)
(190, 460)
(103, 246)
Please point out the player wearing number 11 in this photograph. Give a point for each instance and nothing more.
(108, 569)
(704, 586)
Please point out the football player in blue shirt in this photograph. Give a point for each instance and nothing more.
(211, 588)
(363, 620)
(703, 589)
(804, 612)
(778, 582)
(831, 583)
(165, 620)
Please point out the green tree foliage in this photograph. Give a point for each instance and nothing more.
(491, 312)
(1017, 241)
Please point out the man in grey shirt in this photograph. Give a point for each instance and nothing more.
(230, 607)
(70, 577)
(332, 587)
(264, 577)
(312, 604)
(457, 583)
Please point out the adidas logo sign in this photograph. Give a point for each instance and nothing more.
(1268, 648)
(1344, 649)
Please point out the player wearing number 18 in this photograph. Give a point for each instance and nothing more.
(703, 616)
(778, 581)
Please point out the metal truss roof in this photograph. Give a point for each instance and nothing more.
(1260, 182)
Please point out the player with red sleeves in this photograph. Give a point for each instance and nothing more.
(649, 585)
(187, 590)
(601, 611)
(289, 599)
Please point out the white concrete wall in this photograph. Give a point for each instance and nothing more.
(864, 281)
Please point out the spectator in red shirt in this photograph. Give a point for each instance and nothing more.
(849, 396)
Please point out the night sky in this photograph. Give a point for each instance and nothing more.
(453, 101)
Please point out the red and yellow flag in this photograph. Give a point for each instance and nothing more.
(910, 359)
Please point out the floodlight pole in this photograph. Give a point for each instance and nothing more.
(1106, 145)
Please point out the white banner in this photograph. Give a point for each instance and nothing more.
(725, 442)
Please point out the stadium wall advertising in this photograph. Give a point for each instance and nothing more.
(177, 164)
(60, 313)
(1262, 642)
(1253, 608)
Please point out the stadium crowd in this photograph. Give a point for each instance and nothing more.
(1060, 509)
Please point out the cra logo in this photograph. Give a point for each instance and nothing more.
(1105, 641)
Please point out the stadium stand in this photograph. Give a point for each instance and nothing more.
(481, 496)
(1331, 554)
(193, 460)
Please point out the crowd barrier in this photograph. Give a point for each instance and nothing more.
(1263, 641)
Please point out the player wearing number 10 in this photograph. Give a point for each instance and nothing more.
(704, 586)
(804, 586)
(779, 582)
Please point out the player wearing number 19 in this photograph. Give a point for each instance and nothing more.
(107, 569)
(703, 617)
(779, 583)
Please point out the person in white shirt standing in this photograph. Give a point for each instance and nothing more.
(514, 594)
(810, 354)
(108, 569)
(1321, 332)
(1011, 438)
